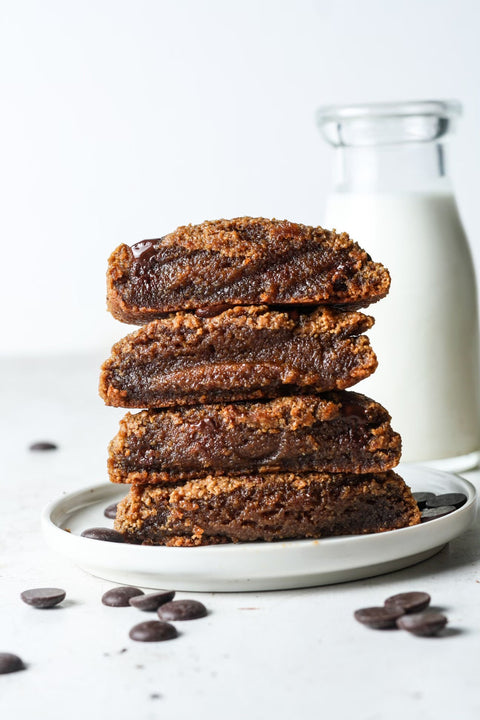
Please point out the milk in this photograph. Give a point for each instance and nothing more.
(425, 334)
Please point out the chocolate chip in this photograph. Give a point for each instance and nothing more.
(10, 663)
(455, 499)
(43, 445)
(438, 512)
(421, 498)
(43, 597)
(424, 624)
(409, 601)
(105, 534)
(340, 286)
(143, 249)
(182, 610)
(111, 511)
(153, 631)
(120, 596)
(379, 618)
(152, 601)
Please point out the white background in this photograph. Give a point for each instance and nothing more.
(122, 119)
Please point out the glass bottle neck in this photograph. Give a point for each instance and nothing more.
(402, 168)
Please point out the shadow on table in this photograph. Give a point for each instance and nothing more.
(461, 552)
(458, 553)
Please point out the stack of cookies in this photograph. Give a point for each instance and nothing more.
(252, 334)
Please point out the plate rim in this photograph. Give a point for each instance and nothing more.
(49, 526)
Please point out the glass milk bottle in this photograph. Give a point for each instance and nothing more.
(392, 195)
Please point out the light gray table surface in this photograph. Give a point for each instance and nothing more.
(279, 655)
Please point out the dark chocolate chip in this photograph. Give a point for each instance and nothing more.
(455, 499)
(340, 286)
(438, 512)
(379, 618)
(421, 498)
(152, 601)
(182, 610)
(354, 410)
(153, 631)
(111, 511)
(211, 311)
(103, 534)
(43, 445)
(43, 597)
(206, 427)
(143, 249)
(10, 663)
(409, 601)
(424, 624)
(120, 596)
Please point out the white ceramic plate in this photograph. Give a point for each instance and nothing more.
(252, 566)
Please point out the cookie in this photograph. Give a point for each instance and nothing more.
(277, 506)
(337, 432)
(242, 353)
(244, 261)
